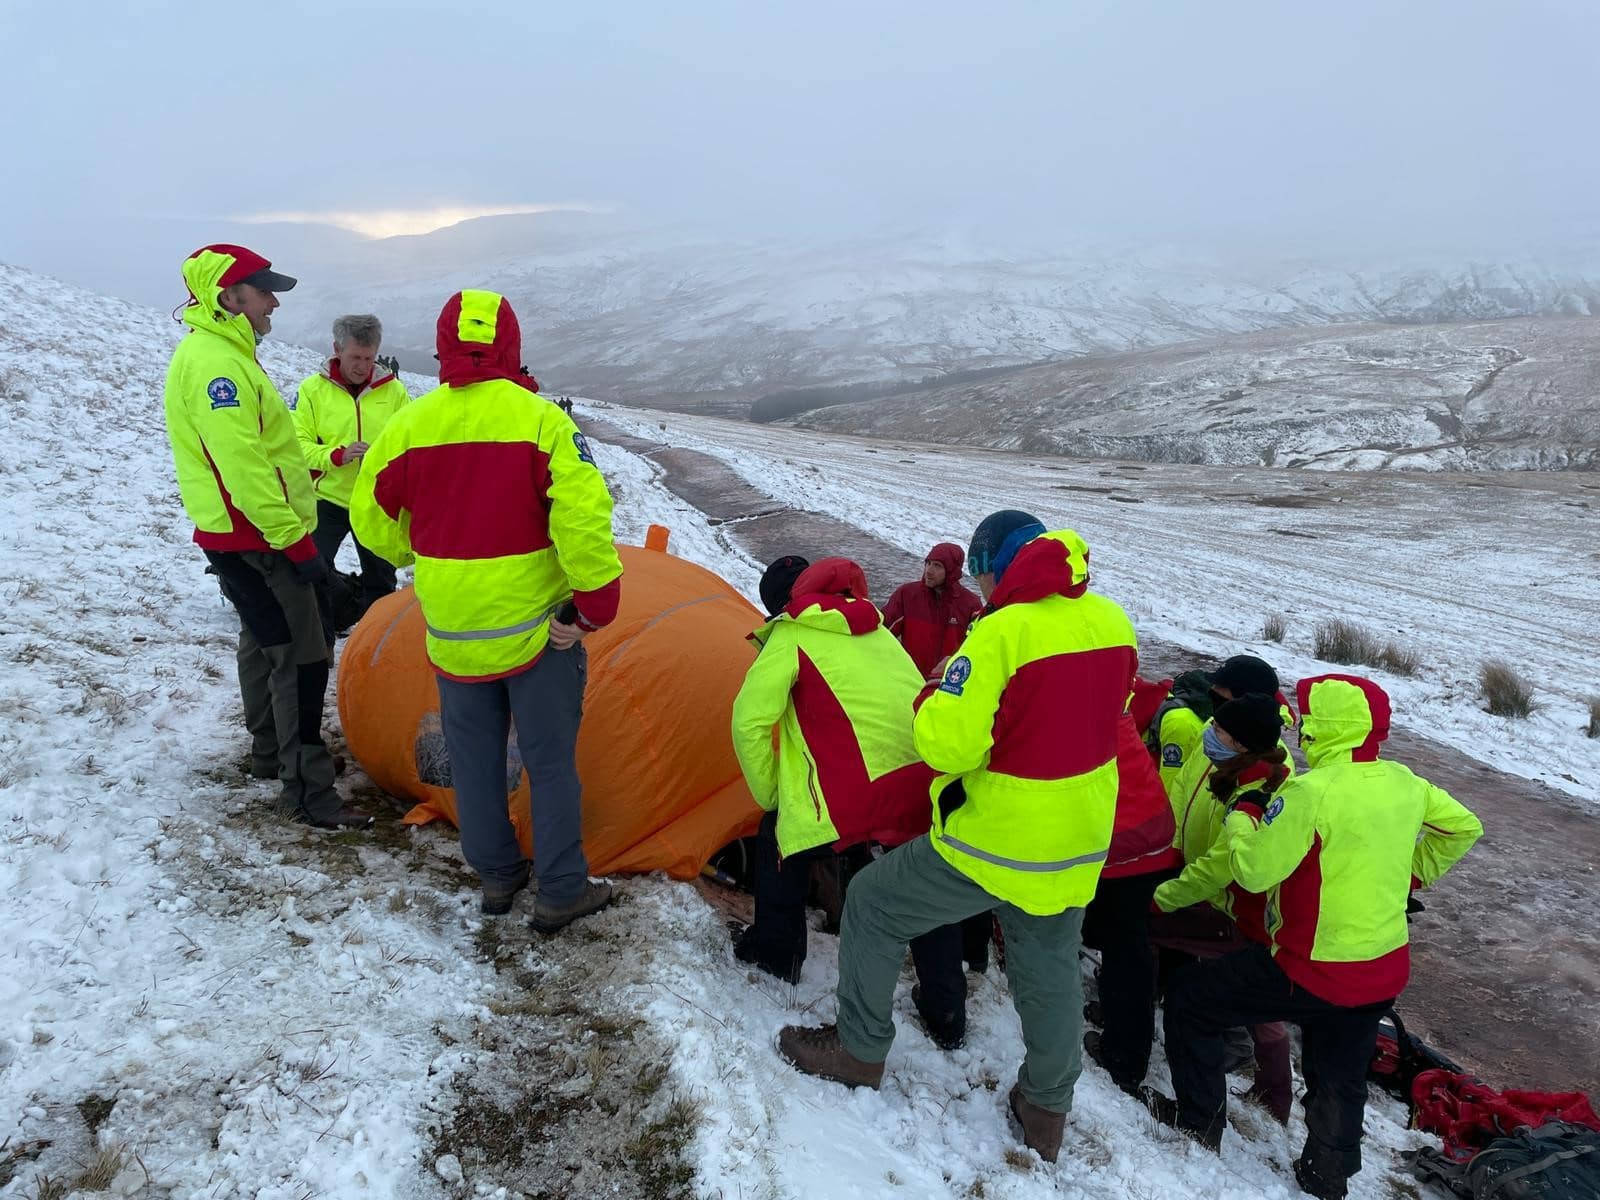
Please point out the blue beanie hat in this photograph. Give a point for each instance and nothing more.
(998, 538)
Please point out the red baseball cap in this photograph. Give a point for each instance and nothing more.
(248, 267)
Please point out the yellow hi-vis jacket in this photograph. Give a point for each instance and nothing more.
(1339, 848)
(1026, 721)
(240, 472)
(495, 496)
(327, 419)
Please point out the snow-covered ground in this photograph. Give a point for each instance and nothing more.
(1457, 569)
(218, 1005)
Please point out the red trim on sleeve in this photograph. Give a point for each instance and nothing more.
(302, 551)
(337, 457)
(598, 608)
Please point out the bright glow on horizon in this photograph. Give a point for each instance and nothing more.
(400, 222)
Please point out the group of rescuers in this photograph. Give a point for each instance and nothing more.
(986, 761)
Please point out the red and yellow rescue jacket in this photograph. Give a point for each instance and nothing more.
(492, 491)
(1026, 721)
(840, 693)
(1339, 848)
(328, 418)
(240, 473)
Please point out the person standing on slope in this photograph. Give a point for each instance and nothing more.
(930, 615)
(245, 487)
(338, 412)
(845, 771)
(495, 496)
(1023, 730)
(1338, 851)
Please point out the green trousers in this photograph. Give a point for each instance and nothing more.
(913, 890)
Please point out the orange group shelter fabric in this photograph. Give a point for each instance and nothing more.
(662, 789)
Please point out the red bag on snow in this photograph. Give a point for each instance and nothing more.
(1468, 1115)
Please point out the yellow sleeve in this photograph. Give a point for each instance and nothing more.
(954, 728)
(319, 457)
(1449, 830)
(1264, 850)
(762, 700)
(580, 507)
(227, 416)
(379, 515)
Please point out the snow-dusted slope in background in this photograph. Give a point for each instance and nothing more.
(690, 319)
(1508, 394)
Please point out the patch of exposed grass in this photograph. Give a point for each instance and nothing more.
(94, 1110)
(1274, 627)
(1594, 717)
(1505, 692)
(100, 1170)
(50, 1187)
(1348, 644)
(1019, 1160)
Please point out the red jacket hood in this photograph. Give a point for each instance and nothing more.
(1053, 564)
(835, 585)
(478, 339)
(951, 557)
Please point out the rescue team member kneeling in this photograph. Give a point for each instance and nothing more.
(244, 485)
(841, 694)
(1023, 730)
(492, 491)
(1338, 851)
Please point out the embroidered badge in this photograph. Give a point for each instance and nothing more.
(582, 443)
(956, 675)
(1272, 811)
(224, 392)
(1172, 755)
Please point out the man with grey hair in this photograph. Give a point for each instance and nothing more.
(339, 411)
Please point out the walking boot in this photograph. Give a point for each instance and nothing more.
(548, 918)
(1165, 1110)
(946, 1030)
(1314, 1183)
(1094, 1047)
(347, 816)
(1041, 1129)
(817, 1050)
(499, 895)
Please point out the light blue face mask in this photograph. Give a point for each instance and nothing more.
(1211, 742)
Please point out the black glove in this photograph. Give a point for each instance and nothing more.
(313, 570)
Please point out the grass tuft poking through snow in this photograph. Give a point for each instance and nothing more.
(1274, 627)
(1348, 644)
(1593, 729)
(1505, 692)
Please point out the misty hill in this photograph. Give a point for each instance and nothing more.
(1485, 395)
(687, 319)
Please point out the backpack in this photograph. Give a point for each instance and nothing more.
(1401, 1056)
(1557, 1161)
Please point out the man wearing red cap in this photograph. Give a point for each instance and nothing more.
(244, 485)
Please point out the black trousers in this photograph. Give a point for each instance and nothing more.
(778, 936)
(333, 526)
(1117, 923)
(1249, 988)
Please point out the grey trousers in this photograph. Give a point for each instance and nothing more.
(546, 704)
(905, 894)
(283, 677)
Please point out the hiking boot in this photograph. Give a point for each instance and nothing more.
(1312, 1183)
(263, 768)
(499, 896)
(347, 817)
(1094, 1047)
(817, 1050)
(548, 918)
(747, 949)
(1041, 1128)
(946, 1030)
(1165, 1110)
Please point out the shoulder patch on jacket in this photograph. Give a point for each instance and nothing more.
(582, 443)
(956, 675)
(224, 392)
(1172, 755)
(1273, 811)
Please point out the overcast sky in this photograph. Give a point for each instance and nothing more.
(1086, 117)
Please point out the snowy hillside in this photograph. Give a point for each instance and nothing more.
(199, 1001)
(685, 318)
(1494, 395)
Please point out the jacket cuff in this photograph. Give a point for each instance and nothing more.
(598, 608)
(337, 457)
(1250, 809)
(302, 551)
